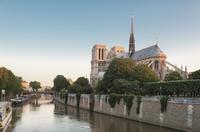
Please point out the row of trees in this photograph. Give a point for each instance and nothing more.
(173, 88)
(12, 84)
(9, 82)
(81, 85)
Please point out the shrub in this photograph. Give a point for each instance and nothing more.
(128, 100)
(178, 88)
(195, 74)
(112, 100)
(173, 76)
(78, 97)
(139, 100)
(163, 103)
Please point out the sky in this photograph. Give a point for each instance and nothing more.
(40, 39)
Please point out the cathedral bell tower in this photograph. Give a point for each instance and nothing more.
(131, 41)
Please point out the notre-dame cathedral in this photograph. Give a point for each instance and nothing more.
(152, 56)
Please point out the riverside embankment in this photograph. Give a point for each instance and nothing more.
(182, 113)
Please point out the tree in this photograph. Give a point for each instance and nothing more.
(9, 82)
(195, 74)
(81, 86)
(100, 88)
(143, 73)
(60, 82)
(35, 85)
(118, 69)
(82, 81)
(122, 86)
(172, 76)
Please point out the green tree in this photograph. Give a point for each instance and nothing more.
(81, 86)
(195, 75)
(100, 88)
(82, 81)
(122, 86)
(9, 82)
(143, 73)
(35, 85)
(60, 82)
(118, 69)
(172, 76)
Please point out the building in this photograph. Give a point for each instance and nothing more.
(152, 56)
(25, 85)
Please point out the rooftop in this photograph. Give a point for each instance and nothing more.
(152, 51)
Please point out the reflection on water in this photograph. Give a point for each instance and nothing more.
(40, 115)
(105, 123)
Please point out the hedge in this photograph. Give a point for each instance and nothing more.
(178, 88)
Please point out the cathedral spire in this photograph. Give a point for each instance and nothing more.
(131, 40)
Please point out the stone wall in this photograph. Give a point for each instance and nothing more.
(182, 114)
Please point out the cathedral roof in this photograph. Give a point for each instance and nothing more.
(152, 51)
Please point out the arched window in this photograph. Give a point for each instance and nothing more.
(99, 53)
(102, 53)
(156, 65)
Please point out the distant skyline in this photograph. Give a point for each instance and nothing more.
(40, 39)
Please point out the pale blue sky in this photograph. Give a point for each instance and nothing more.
(42, 38)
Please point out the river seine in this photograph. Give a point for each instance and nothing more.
(42, 115)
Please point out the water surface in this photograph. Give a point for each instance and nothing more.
(43, 116)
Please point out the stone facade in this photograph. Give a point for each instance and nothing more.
(182, 113)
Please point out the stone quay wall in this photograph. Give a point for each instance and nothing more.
(182, 113)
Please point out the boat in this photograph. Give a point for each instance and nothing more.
(16, 101)
(19, 100)
(5, 115)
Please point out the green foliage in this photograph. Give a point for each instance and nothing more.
(82, 81)
(164, 103)
(76, 88)
(116, 98)
(81, 85)
(112, 100)
(139, 100)
(195, 75)
(181, 87)
(100, 89)
(118, 69)
(173, 76)
(122, 86)
(124, 77)
(143, 73)
(60, 82)
(128, 100)
(35, 85)
(10, 82)
(78, 98)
